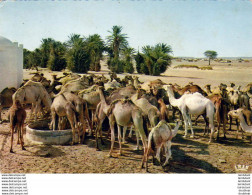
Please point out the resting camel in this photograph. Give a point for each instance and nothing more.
(33, 93)
(17, 118)
(245, 127)
(160, 136)
(194, 103)
(125, 113)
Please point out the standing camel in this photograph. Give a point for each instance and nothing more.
(245, 127)
(194, 103)
(125, 113)
(33, 93)
(17, 118)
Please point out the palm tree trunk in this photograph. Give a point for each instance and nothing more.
(209, 62)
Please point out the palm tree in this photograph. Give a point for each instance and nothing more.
(95, 47)
(117, 41)
(57, 59)
(210, 55)
(45, 51)
(128, 56)
(78, 60)
(156, 59)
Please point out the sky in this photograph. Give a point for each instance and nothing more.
(190, 27)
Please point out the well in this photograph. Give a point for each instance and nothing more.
(39, 133)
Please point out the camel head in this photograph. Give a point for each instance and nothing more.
(235, 113)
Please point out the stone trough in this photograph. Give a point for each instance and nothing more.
(39, 133)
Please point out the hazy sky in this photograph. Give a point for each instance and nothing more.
(190, 27)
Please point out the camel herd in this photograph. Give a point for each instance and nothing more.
(84, 102)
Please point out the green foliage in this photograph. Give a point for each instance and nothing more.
(206, 68)
(128, 56)
(154, 60)
(116, 42)
(26, 54)
(115, 65)
(57, 60)
(77, 58)
(95, 47)
(186, 66)
(139, 60)
(210, 55)
(45, 49)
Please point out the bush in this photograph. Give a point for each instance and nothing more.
(206, 68)
(186, 66)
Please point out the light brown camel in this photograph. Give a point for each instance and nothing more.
(160, 136)
(102, 107)
(125, 113)
(81, 108)
(17, 117)
(33, 93)
(149, 111)
(245, 127)
(62, 107)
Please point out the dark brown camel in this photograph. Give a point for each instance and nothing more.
(17, 118)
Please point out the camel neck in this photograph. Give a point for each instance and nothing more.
(103, 100)
(172, 99)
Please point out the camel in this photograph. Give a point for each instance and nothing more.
(81, 109)
(147, 108)
(125, 113)
(160, 136)
(6, 99)
(17, 116)
(112, 84)
(191, 88)
(75, 85)
(33, 93)
(62, 107)
(245, 127)
(194, 103)
(164, 112)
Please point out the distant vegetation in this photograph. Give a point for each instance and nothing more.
(81, 54)
(210, 55)
(194, 66)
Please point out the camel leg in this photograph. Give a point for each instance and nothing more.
(120, 139)
(18, 133)
(71, 121)
(146, 159)
(167, 152)
(111, 124)
(211, 126)
(186, 123)
(53, 122)
(124, 134)
(158, 154)
(190, 123)
(20, 127)
(130, 133)
(137, 138)
(12, 134)
(230, 122)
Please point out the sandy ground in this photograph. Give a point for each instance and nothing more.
(188, 155)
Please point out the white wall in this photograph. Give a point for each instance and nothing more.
(11, 65)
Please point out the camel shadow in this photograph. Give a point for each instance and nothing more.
(182, 163)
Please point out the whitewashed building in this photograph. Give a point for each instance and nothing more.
(11, 63)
